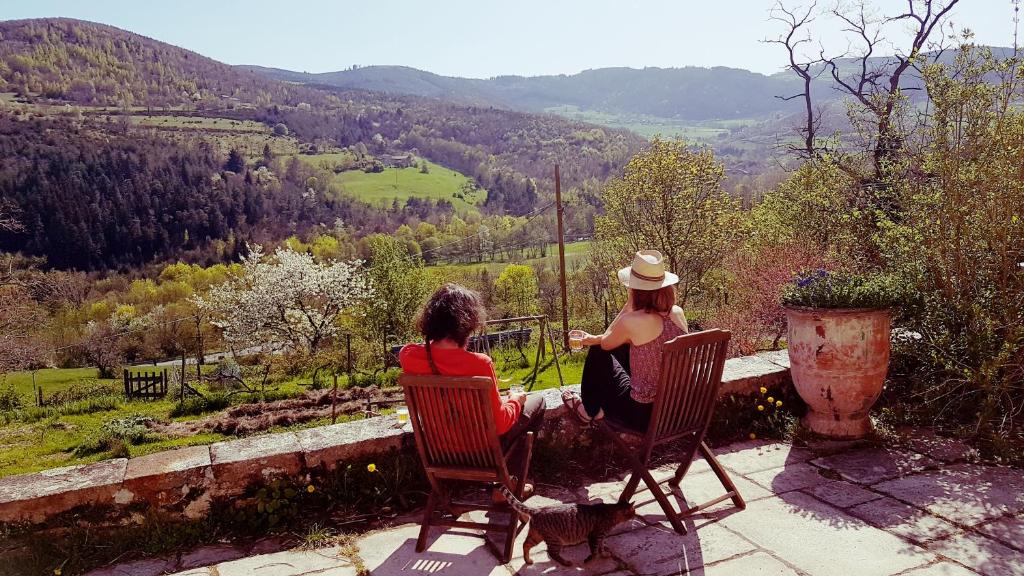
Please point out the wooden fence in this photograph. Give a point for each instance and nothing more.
(145, 385)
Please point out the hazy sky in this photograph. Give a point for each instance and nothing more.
(478, 38)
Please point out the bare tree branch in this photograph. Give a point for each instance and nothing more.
(795, 22)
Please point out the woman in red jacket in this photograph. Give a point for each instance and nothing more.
(448, 319)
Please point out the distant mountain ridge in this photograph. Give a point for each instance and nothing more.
(691, 93)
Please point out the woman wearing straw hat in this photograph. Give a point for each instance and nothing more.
(620, 375)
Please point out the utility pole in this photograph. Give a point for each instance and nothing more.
(561, 258)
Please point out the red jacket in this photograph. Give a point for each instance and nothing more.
(459, 362)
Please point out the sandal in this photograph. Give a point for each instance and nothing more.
(574, 403)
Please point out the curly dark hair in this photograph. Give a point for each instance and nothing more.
(452, 312)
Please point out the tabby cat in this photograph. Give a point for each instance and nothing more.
(569, 524)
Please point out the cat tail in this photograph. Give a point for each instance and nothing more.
(516, 504)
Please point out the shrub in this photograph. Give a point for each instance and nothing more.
(196, 405)
(823, 289)
(10, 399)
(133, 429)
(116, 435)
(90, 405)
(750, 301)
(82, 390)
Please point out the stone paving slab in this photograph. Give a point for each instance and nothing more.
(659, 551)
(288, 563)
(393, 553)
(788, 478)
(764, 457)
(925, 441)
(757, 564)
(967, 494)
(941, 569)
(821, 539)
(1009, 531)
(875, 465)
(903, 520)
(984, 555)
(841, 494)
(211, 554)
(137, 568)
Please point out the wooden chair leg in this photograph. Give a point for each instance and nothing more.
(510, 537)
(631, 486)
(638, 466)
(525, 469)
(723, 476)
(428, 514)
(514, 523)
(664, 502)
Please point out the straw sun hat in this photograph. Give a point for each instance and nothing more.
(647, 272)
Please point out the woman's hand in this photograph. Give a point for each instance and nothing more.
(519, 398)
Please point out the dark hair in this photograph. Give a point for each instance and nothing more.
(658, 301)
(452, 312)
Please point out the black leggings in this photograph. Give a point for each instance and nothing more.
(606, 386)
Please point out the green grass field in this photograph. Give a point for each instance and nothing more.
(383, 188)
(705, 132)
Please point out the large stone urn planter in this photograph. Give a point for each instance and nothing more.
(839, 359)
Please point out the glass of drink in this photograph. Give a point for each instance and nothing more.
(402, 412)
(576, 339)
(516, 389)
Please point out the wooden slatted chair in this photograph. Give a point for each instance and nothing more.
(691, 373)
(457, 440)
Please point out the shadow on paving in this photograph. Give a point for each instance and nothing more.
(971, 513)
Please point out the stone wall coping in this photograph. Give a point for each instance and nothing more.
(226, 468)
(168, 462)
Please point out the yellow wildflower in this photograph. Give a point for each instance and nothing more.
(764, 390)
(753, 436)
(771, 400)
(310, 489)
(57, 572)
(778, 404)
(760, 407)
(371, 467)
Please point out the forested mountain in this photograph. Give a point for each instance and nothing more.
(93, 63)
(685, 94)
(681, 93)
(104, 170)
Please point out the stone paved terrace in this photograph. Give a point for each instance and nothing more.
(827, 510)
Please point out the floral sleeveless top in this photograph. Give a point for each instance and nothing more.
(645, 362)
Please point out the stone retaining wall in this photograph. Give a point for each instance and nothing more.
(187, 480)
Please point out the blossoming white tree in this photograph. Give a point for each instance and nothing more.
(285, 301)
